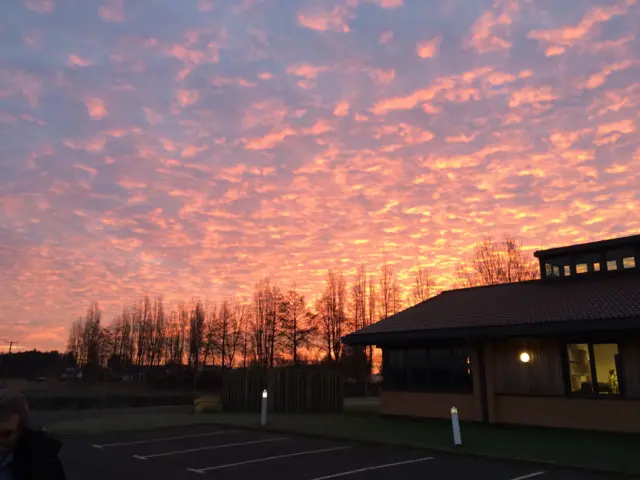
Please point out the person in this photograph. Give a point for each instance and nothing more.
(26, 452)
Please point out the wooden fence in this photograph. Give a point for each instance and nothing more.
(289, 390)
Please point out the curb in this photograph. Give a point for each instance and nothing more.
(548, 463)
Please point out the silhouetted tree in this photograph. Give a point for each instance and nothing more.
(494, 263)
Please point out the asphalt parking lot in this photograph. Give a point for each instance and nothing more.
(225, 453)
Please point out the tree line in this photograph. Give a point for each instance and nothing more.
(275, 326)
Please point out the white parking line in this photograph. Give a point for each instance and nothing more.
(212, 447)
(376, 467)
(265, 459)
(165, 439)
(531, 475)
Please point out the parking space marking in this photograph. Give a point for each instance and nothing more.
(165, 439)
(265, 459)
(531, 475)
(211, 447)
(375, 467)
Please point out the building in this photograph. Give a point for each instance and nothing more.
(561, 351)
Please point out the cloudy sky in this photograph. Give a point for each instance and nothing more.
(190, 147)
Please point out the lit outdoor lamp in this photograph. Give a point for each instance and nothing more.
(525, 357)
(263, 416)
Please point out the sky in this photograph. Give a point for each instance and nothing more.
(189, 148)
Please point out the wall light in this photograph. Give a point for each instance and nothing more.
(525, 357)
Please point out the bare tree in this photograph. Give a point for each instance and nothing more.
(295, 331)
(210, 335)
(197, 320)
(266, 325)
(359, 298)
(331, 311)
(494, 263)
(240, 313)
(390, 299)
(423, 287)
(157, 334)
(75, 342)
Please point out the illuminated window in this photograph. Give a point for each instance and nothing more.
(567, 270)
(580, 368)
(593, 368)
(596, 267)
(612, 265)
(629, 262)
(582, 268)
(605, 356)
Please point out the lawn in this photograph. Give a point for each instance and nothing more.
(593, 450)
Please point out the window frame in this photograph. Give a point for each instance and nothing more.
(592, 366)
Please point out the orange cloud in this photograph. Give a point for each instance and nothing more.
(411, 101)
(383, 77)
(341, 109)
(430, 48)
(485, 36)
(269, 140)
(532, 96)
(571, 35)
(598, 79)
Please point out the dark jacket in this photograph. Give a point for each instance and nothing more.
(35, 457)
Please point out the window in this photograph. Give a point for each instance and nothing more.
(593, 368)
(428, 370)
(596, 267)
(567, 270)
(621, 258)
(582, 268)
(555, 266)
(393, 365)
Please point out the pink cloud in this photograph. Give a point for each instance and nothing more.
(41, 6)
(77, 61)
(385, 37)
(559, 38)
(96, 108)
(311, 137)
(341, 109)
(488, 31)
(305, 70)
(323, 20)
(112, 11)
(429, 49)
(269, 140)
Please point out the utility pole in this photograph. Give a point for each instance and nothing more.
(5, 361)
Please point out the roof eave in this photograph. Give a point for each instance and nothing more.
(531, 329)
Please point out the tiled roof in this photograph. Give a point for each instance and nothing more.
(535, 302)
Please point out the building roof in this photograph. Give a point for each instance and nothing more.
(598, 303)
(590, 246)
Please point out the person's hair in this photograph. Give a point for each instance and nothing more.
(13, 403)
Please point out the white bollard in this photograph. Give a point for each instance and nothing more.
(455, 423)
(263, 415)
